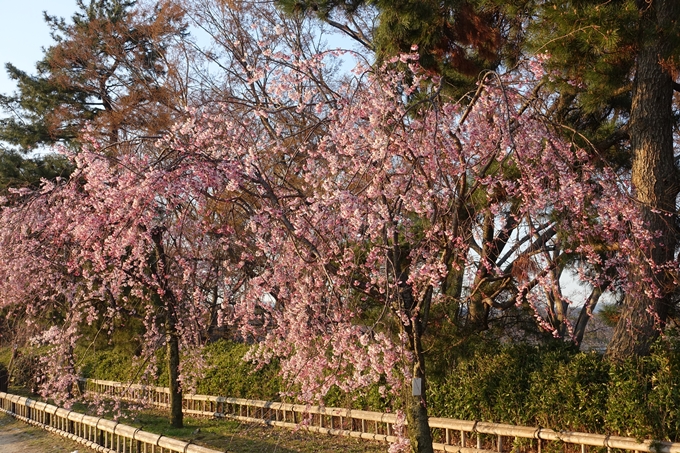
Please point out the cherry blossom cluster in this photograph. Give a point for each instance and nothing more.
(324, 224)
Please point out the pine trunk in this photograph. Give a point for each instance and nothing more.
(654, 177)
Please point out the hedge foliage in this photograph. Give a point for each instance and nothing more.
(565, 389)
(551, 386)
(229, 375)
(108, 364)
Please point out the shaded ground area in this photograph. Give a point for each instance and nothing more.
(19, 437)
(236, 437)
(223, 435)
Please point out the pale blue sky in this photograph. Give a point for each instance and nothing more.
(23, 33)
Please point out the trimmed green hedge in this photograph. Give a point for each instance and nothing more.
(229, 375)
(567, 390)
(552, 386)
(109, 364)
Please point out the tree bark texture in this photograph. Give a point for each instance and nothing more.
(419, 432)
(654, 177)
(172, 344)
(418, 428)
(171, 335)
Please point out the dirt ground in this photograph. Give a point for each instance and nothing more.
(19, 437)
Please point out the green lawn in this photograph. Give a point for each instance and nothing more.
(234, 436)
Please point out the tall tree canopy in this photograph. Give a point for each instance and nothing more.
(109, 66)
(344, 223)
(456, 39)
(612, 70)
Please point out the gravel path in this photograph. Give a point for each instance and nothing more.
(19, 437)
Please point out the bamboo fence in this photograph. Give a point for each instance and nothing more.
(450, 435)
(99, 434)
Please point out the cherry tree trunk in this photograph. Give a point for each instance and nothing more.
(654, 177)
(419, 433)
(418, 421)
(171, 335)
(418, 428)
(478, 315)
(172, 344)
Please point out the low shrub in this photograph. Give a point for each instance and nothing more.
(552, 386)
(227, 374)
(109, 364)
(644, 394)
(569, 391)
(25, 370)
(491, 385)
(558, 387)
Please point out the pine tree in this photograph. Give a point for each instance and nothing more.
(17, 171)
(654, 172)
(34, 119)
(456, 39)
(612, 67)
(591, 49)
(109, 66)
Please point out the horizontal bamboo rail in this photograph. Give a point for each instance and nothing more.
(99, 434)
(451, 435)
(335, 421)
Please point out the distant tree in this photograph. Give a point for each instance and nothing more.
(455, 39)
(18, 171)
(110, 66)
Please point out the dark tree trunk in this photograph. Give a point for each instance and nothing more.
(12, 359)
(418, 428)
(419, 432)
(584, 315)
(654, 176)
(169, 304)
(172, 343)
(478, 315)
(4, 378)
